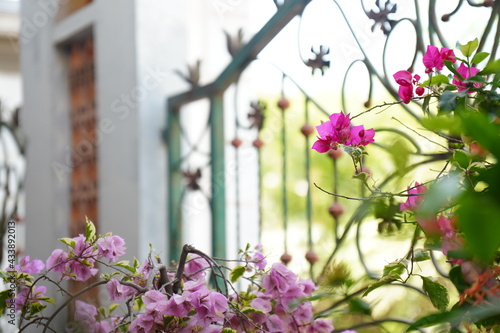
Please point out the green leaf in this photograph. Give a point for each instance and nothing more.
(479, 57)
(383, 281)
(479, 216)
(431, 320)
(356, 305)
(4, 295)
(480, 128)
(457, 278)
(421, 255)
(394, 269)
(47, 299)
(493, 67)
(436, 292)
(425, 104)
(400, 155)
(125, 264)
(444, 122)
(363, 176)
(468, 48)
(68, 241)
(90, 230)
(248, 309)
(236, 273)
(435, 80)
(447, 101)
(452, 69)
(461, 159)
(228, 330)
(439, 194)
(112, 307)
(36, 308)
(102, 312)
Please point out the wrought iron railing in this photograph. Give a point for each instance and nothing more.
(266, 130)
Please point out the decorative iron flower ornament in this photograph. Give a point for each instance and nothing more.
(193, 75)
(192, 179)
(234, 43)
(256, 116)
(319, 61)
(382, 16)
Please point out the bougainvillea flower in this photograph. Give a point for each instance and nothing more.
(433, 58)
(415, 197)
(406, 82)
(196, 267)
(465, 72)
(405, 93)
(117, 291)
(320, 325)
(85, 313)
(430, 226)
(29, 267)
(338, 131)
(448, 55)
(111, 247)
(403, 78)
(56, 261)
(25, 296)
(360, 137)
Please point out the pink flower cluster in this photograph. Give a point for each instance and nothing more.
(85, 317)
(196, 308)
(406, 82)
(433, 58)
(27, 295)
(278, 306)
(77, 262)
(441, 227)
(415, 197)
(338, 130)
(465, 72)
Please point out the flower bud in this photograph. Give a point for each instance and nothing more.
(336, 209)
(312, 257)
(286, 258)
(335, 153)
(283, 103)
(307, 130)
(258, 143)
(236, 142)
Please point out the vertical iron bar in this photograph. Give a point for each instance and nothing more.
(335, 200)
(308, 179)
(284, 187)
(237, 167)
(218, 200)
(173, 138)
(307, 153)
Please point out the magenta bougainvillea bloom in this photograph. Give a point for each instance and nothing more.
(415, 197)
(117, 291)
(433, 58)
(360, 137)
(338, 131)
(56, 261)
(465, 72)
(29, 267)
(111, 247)
(406, 82)
(26, 296)
(195, 267)
(403, 78)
